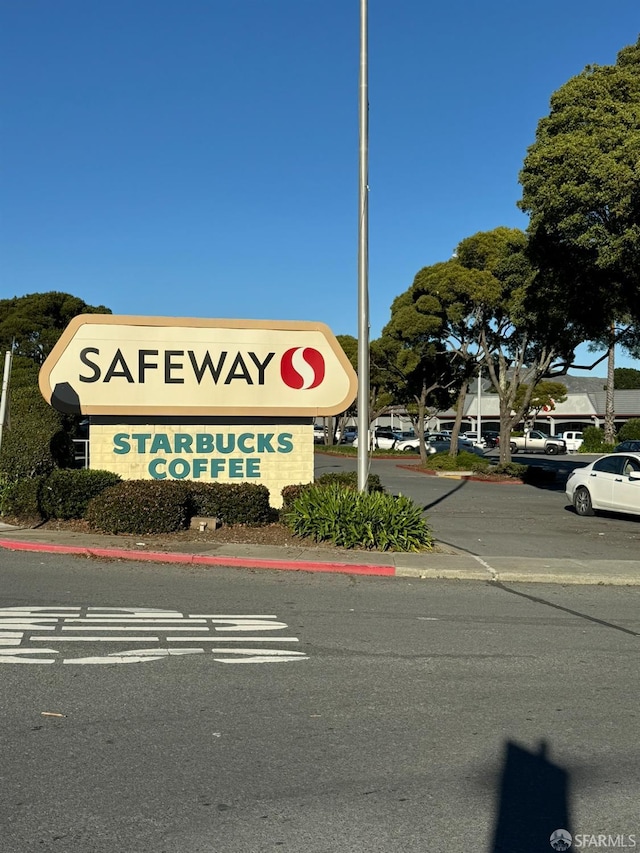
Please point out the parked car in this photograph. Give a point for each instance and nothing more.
(474, 438)
(631, 445)
(412, 445)
(383, 438)
(573, 440)
(491, 438)
(611, 483)
(318, 434)
(349, 435)
(440, 436)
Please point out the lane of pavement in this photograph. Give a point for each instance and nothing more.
(441, 716)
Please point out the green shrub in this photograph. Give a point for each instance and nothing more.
(5, 482)
(510, 469)
(234, 503)
(141, 506)
(349, 479)
(353, 519)
(630, 430)
(464, 461)
(290, 493)
(21, 498)
(593, 441)
(346, 479)
(67, 491)
(37, 441)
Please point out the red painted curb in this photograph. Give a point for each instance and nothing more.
(202, 560)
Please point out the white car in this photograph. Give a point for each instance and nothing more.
(318, 434)
(381, 439)
(610, 483)
(473, 438)
(412, 445)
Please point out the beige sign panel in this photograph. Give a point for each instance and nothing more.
(106, 364)
(273, 455)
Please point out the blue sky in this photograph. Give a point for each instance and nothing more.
(200, 158)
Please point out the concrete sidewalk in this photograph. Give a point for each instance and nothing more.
(447, 564)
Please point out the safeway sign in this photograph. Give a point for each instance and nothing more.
(106, 364)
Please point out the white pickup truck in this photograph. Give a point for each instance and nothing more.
(573, 440)
(536, 441)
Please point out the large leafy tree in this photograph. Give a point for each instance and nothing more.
(424, 374)
(544, 398)
(38, 438)
(33, 323)
(519, 341)
(477, 304)
(581, 188)
(627, 378)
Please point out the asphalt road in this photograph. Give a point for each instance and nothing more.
(489, 519)
(423, 716)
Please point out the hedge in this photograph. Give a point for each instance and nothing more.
(140, 506)
(66, 492)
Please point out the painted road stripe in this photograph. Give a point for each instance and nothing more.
(128, 628)
(144, 620)
(23, 628)
(125, 639)
(57, 638)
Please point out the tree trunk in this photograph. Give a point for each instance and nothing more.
(609, 414)
(422, 410)
(462, 396)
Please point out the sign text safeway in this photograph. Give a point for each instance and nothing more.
(223, 367)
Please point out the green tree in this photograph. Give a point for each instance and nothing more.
(545, 395)
(627, 379)
(476, 304)
(581, 188)
(33, 323)
(39, 438)
(630, 430)
(416, 368)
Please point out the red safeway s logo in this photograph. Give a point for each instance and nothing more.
(302, 368)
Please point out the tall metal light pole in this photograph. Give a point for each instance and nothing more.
(363, 262)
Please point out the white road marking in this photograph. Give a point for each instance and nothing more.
(13, 655)
(128, 628)
(126, 639)
(170, 620)
(134, 656)
(8, 638)
(259, 655)
(21, 627)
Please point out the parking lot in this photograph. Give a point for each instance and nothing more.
(503, 520)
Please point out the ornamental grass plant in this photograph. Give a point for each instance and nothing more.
(351, 519)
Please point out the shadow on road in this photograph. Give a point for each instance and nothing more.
(533, 802)
(549, 473)
(459, 485)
